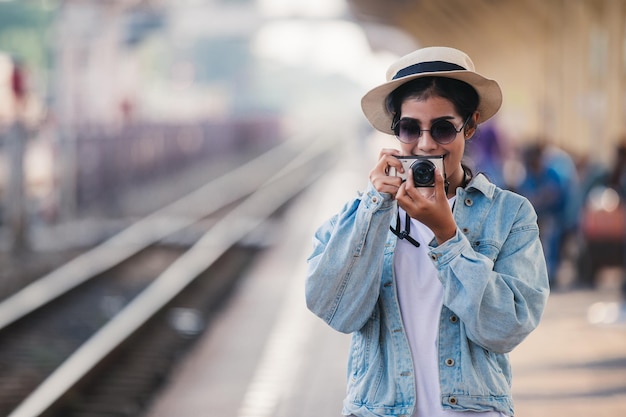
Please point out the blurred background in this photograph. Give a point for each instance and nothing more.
(110, 94)
(101, 98)
(110, 109)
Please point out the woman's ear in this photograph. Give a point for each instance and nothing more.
(471, 127)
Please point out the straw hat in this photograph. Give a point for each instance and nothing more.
(433, 61)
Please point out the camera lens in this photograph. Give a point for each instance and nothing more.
(423, 173)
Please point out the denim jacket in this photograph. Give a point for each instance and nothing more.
(495, 285)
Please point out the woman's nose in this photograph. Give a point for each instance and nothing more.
(426, 143)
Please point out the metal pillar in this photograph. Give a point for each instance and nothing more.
(16, 210)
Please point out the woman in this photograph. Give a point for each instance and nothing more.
(436, 284)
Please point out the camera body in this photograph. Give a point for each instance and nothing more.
(423, 168)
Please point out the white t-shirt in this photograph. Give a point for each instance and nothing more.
(420, 294)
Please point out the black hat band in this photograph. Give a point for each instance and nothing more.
(432, 66)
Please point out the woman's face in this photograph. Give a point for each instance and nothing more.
(426, 112)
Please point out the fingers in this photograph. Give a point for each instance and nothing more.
(380, 175)
(440, 186)
(422, 201)
(429, 205)
(387, 158)
(388, 151)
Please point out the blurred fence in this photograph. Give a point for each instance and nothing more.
(108, 163)
(96, 164)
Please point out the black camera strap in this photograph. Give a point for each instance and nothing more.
(404, 234)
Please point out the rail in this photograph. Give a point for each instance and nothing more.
(263, 198)
(172, 218)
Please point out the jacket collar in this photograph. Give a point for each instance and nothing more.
(482, 184)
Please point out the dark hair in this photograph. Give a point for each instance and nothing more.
(462, 95)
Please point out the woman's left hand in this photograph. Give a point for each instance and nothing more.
(433, 210)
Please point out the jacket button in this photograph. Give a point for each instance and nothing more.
(465, 230)
(450, 362)
(468, 202)
(374, 199)
(454, 319)
(452, 400)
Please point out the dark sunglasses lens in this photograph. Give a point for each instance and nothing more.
(408, 131)
(443, 132)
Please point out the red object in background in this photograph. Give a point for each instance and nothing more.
(18, 82)
(604, 225)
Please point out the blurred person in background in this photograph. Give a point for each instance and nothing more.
(550, 183)
(18, 84)
(566, 169)
(617, 175)
(436, 284)
(603, 217)
(486, 150)
(15, 140)
(617, 181)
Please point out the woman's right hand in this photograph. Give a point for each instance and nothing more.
(379, 175)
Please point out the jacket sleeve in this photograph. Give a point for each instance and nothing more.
(345, 267)
(499, 290)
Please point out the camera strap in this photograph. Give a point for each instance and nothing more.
(404, 234)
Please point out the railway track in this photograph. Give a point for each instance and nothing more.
(98, 335)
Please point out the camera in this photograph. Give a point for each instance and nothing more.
(423, 168)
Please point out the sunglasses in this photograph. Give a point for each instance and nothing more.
(442, 131)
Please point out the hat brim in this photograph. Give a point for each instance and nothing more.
(374, 107)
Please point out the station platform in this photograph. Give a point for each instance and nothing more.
(267, 355)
